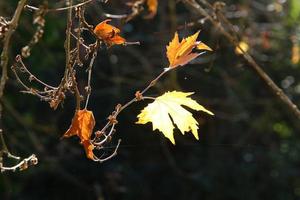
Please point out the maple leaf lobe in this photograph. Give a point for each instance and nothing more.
(169, 106)
(179, 53)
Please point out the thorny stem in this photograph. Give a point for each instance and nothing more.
(258, 69)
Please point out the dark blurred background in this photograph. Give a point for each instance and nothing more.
(249, 150)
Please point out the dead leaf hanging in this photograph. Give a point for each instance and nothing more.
(108, 33)
(82, 125)
(152, 8)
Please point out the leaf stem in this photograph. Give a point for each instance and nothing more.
(120, 109)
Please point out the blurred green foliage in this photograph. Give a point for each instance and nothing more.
(294, 10)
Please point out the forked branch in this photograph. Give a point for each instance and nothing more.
(211, 13)
(12, 25)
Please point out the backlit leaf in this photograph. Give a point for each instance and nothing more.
(152, 8)
(168, 108)
(203, 46)
(108, 33)
(82, 125)
(180, 53)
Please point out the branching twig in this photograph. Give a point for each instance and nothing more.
(39, 20)
(70, 7)
(112, 119)
(13, 24)
(230, 37)
(22, 165)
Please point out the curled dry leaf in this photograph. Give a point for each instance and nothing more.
(108, 33)
(167, 110)
(180, 53)
(152, 8)
(82, 125)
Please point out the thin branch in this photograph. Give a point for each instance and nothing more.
(31, 76)
(4, 55)
(258, 69)
(70, 7)
(88, 87)
(106, 137)
(110, 156)
(69, 66)
(114, 16)
(139, 96)
(24, 164)
(13, 24)
(85, 46)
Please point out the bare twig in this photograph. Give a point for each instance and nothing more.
(32, 77)
(70, 7)
(69, 65)
(88, 87)
(110, 156)
(230, 37)
(22, 165)
(120, 108)
(13, 24)
(39, 20)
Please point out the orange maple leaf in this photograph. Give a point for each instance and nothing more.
(108, 33)
(180, 53)
(152, 8)
(82, 125)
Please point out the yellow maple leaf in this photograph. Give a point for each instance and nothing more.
(169, 106)
(180, 53)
